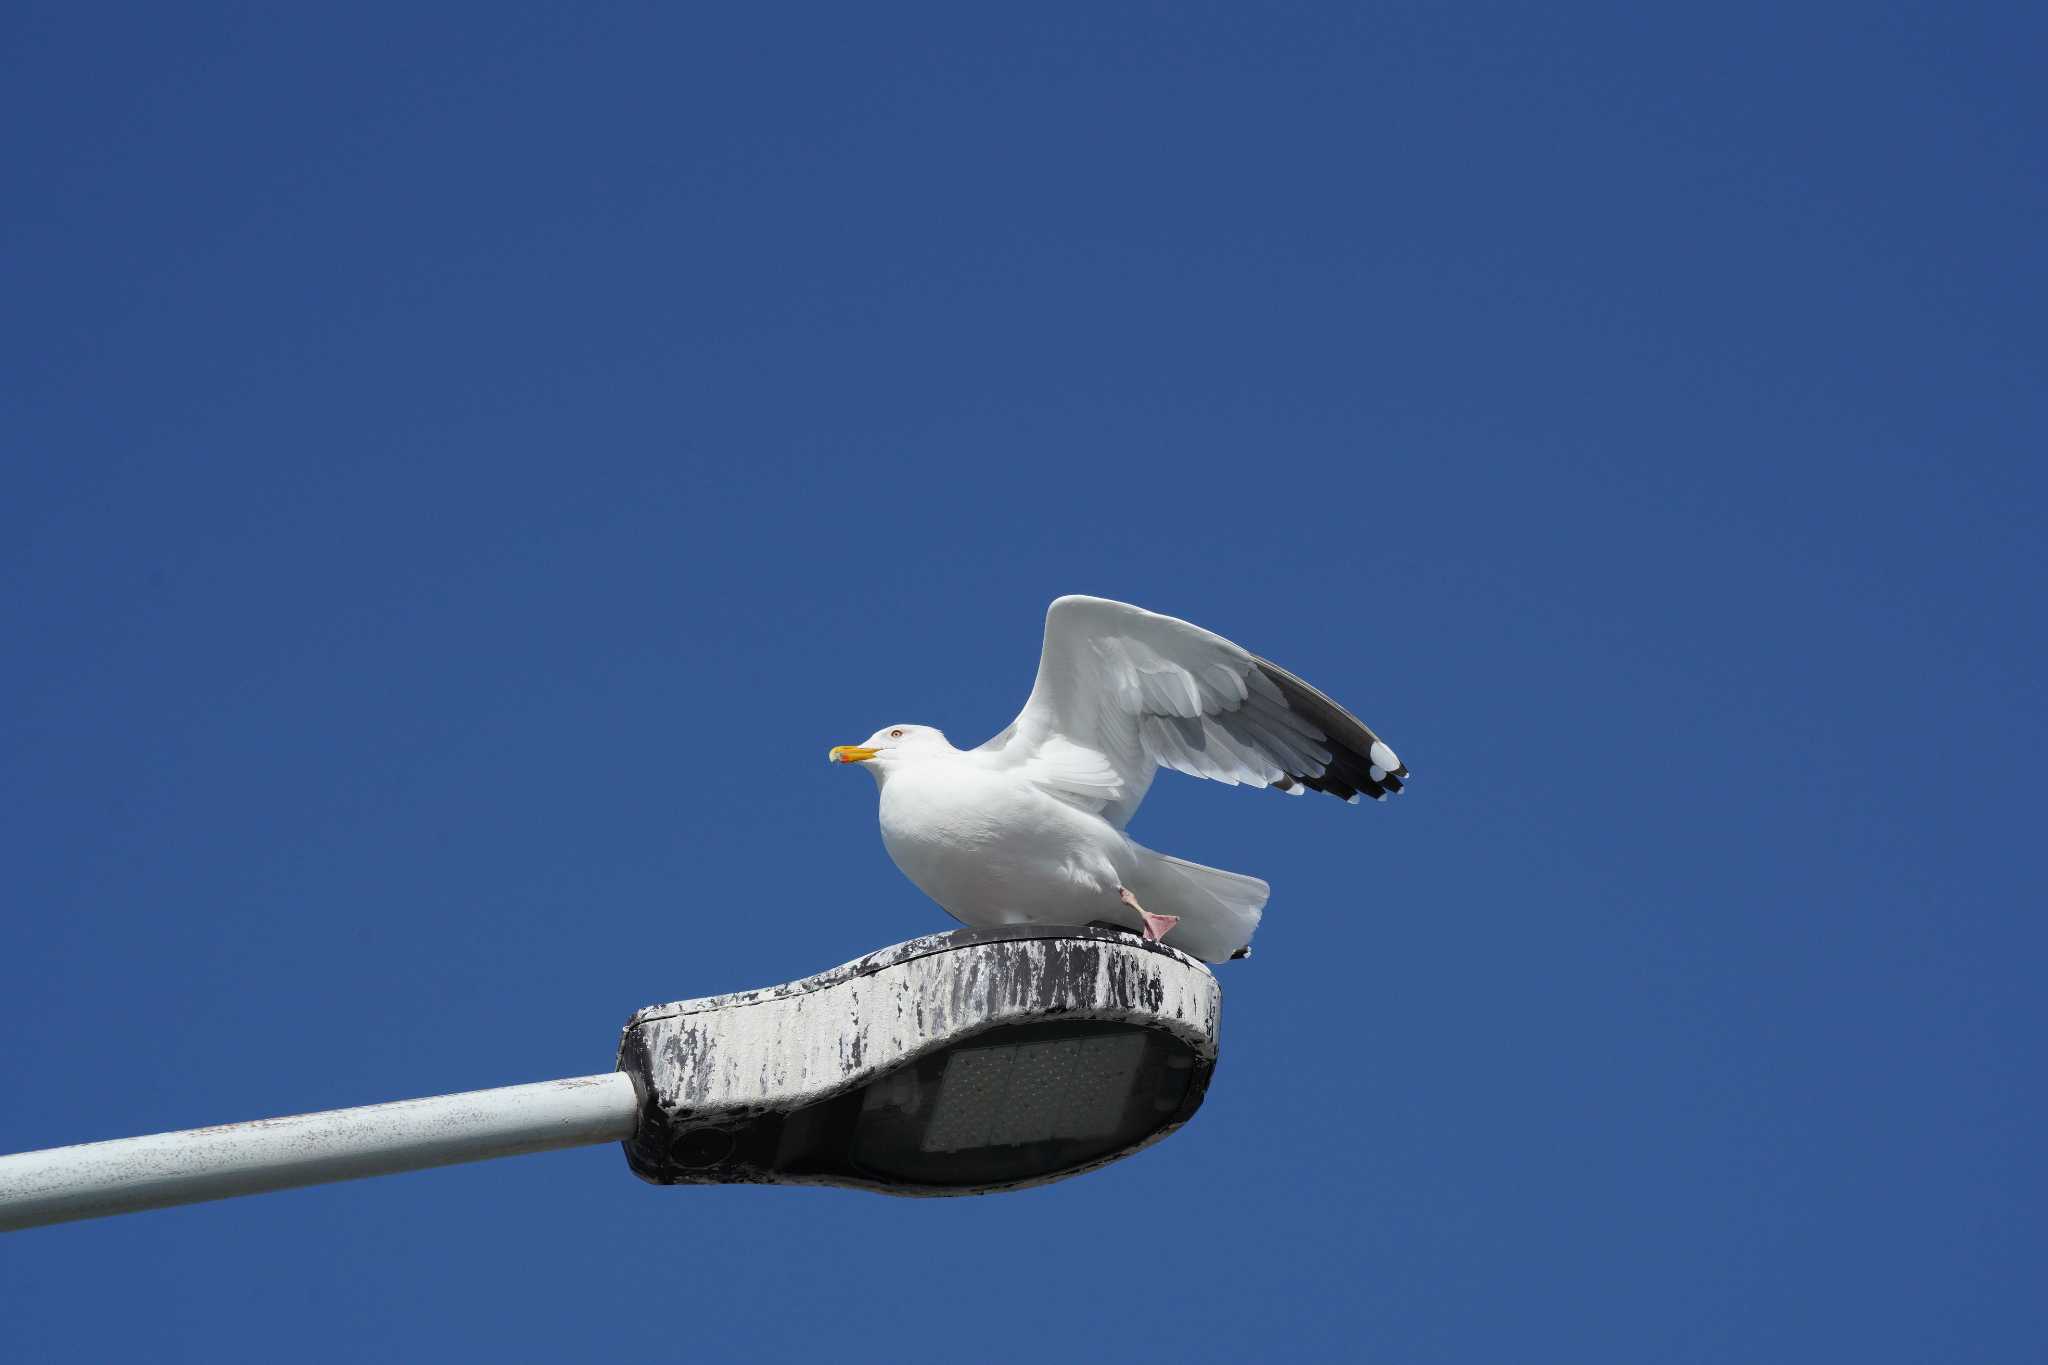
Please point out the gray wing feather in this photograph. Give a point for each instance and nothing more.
(1122, 692)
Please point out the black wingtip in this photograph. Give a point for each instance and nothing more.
(1351, 742)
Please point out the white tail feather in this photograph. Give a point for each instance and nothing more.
(1218, 910)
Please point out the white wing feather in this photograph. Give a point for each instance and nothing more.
(1122, 692)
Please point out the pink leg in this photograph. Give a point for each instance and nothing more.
(1156, 926)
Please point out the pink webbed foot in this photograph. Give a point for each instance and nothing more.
(1157, 927)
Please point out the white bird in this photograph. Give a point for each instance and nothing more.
(1029, 828)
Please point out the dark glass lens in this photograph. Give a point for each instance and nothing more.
(1020, 1102)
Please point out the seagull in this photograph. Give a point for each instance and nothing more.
(1029, 827)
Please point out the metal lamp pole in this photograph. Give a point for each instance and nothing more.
(961, 1063)
(163, 1169)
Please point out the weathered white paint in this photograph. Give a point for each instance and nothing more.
(724, 1059)
(131, 1174)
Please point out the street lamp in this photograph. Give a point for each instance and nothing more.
(960, 1063)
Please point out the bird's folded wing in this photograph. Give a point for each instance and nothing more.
(1122, 692)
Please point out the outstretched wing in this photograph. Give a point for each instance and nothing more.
(1122, 692)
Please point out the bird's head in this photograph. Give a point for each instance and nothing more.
(891, 747)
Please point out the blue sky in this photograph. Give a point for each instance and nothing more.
(464, 467)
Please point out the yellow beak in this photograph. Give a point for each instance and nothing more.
(849, 753)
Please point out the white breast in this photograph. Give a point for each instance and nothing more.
(992, 848)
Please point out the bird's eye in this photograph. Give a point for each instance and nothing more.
(895, 734)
